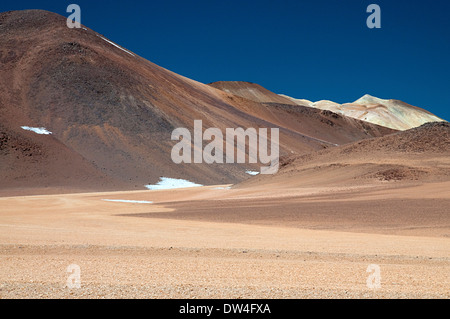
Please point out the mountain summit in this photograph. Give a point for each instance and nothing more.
(394, 114)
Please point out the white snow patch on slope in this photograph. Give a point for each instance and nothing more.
(37, 130)
(127, 201)
(117, 46)
(172, 183)
(252, 173)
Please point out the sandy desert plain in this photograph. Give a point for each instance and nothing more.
(229, 243)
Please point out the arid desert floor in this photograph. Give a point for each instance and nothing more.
(214, 242)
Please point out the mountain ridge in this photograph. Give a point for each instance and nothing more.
(390, 113)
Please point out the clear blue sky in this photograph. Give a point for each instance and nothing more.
(319, 49)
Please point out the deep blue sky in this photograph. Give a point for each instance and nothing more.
(316, 50)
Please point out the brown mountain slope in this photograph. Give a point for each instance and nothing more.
(116, 111)
(251, 91)
(418, 155)
(320, 125)
(29, 157)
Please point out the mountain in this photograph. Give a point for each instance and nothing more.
(417, 155)
(394, 114)
(111, 113)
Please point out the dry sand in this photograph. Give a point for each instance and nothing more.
(218, 243)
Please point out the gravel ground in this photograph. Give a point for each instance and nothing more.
(39, 272)
(121, 256)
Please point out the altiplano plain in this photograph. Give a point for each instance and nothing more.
(208, 243)
(85, 155)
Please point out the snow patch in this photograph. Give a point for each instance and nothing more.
(117, 46)
(172, 183)
(37, 130)
(252, 173)
(228, 187)
(127, 201)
